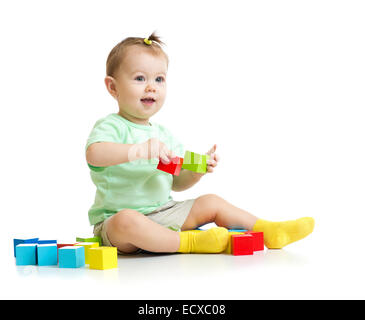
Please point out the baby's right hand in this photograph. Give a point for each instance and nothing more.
(154, 148)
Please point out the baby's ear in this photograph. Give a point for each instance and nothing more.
(110, 86)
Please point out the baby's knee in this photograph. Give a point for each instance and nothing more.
(126, 219)
(210, 200)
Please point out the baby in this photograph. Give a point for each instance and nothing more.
(133, 209)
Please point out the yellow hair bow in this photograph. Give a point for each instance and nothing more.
(147, 41)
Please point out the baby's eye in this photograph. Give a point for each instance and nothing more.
(160, 79)
(139, 78)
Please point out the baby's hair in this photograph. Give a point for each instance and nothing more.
(115, 56)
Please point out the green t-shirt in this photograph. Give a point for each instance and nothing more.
(137, 184)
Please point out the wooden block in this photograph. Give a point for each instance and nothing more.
(195, 162)
(47, 241)
(61, 245)
(87, 246)
(237, 230)
(229, 246)
(102, 258)
(242, 244)
(26, 254)
(47, 254)
(71, 257)
(174, 167)
(19, 241)
(258, 240)
(92, 239)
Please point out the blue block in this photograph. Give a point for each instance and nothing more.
(237, 230)
(47, 254)
(19, 241)
(26, 254)
(229, 230)
(46, 241)
(71, 257)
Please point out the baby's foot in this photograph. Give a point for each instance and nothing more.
(213, 240)
(279, 234)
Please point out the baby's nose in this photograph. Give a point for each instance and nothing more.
(150, 88)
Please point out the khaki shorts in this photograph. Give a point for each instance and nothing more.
(172, 215)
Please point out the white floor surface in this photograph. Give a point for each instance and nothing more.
(310, 269)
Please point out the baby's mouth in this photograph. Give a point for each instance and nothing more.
(148, 101)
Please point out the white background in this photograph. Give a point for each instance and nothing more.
(277, 85)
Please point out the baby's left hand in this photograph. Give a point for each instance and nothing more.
(213, 160)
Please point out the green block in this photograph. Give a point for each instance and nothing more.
(94, 239)
(195, 162)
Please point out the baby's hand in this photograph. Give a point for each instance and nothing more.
(154, 148)
(213, 160)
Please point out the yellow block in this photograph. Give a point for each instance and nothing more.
(87, 246)
(102, 258)
(229, 246)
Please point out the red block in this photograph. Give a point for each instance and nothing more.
(258, 240)
(173, 167)
(242, 244)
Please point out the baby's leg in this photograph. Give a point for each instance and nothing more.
(129, 230)
(211, 208)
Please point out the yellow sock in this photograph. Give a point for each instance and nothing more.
(213, 240)
(280, 234)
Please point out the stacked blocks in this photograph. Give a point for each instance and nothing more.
(74, 255)
(195, 162)
(47, 254)
(87, 246)
(103, 258)
(19, 241)
(174, 167)
(71, 257)
(26, 254)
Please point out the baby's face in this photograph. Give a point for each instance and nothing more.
(140, 84)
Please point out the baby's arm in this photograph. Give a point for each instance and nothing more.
(104, 154)
(185, 180)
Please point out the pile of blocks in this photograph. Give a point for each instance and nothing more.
(88, 251)
(85, 251)
(192, 161)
